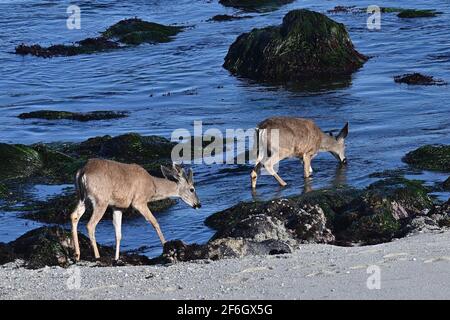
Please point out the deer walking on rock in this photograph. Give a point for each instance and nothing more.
(107, 183)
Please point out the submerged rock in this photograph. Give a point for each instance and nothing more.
(226, 17)
(346, 9)
(125, 32)
(76, 116)
(255, 5)
(136, 31)
(418, 79)
(307, 45)
(445, 185)
(52, 246)
(414, 13)
(430, 157)
(86, 46)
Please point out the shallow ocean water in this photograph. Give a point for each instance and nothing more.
(386, 119)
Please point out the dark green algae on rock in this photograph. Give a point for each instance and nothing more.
(430, 157)
(255, 5)
(52, 246)
(307, 45)
(75, 116)
(387, 209)
(136, 31)
(126, 32)
(57, 163)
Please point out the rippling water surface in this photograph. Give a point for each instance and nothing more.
(386, 119)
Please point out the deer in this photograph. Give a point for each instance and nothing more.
(107, 183)
(297, 137)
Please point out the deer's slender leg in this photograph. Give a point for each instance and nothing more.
(269, 167)
(97, 215)
(117, 222)
(255, 173)
(307, 170)
(75, 217)
(144, 210)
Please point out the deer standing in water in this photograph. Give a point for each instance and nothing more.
(297, 137)
(118, 185)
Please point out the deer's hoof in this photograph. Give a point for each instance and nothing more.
(118, 263)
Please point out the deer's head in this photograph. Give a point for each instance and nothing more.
(185, 184)
(336, 144)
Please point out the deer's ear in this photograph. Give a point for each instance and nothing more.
(190, 176)
(344, 132)
(169, 173)
(177, 168)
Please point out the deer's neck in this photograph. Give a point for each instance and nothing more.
(165, 188)
(327, 143)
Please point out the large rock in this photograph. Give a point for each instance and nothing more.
(385, 210)
(430, 157)
(306, 46)
(52, 246)
(381, 211)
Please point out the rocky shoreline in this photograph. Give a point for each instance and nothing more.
(388, 209)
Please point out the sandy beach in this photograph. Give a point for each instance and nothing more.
(415, 267)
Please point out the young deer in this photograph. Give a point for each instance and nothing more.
(297, 137)
(119, 185)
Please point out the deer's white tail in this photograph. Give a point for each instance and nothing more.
(259, 144)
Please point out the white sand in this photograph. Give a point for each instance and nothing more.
(416, 267)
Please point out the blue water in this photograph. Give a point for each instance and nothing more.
(386, 119)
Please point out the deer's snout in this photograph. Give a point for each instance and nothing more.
(197, 206)
(344, 161)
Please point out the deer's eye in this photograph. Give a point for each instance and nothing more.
(191, 189)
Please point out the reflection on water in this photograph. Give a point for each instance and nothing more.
(386, 119)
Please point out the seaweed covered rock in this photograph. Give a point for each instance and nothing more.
(227, 17)
(282, 219)
(178, 251)
(52, 246)
(342, 216)
(415, 13)
(135, 31)
(58, 162)
(76, 116)
(18, 161)
(380, 213)
(385, 210)
(86, 46)
(4, 192)
(58, 209)
(255, 5)
(418, 79)
(430, 157)
(132, 31)
(307, 45)
(445, 185)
